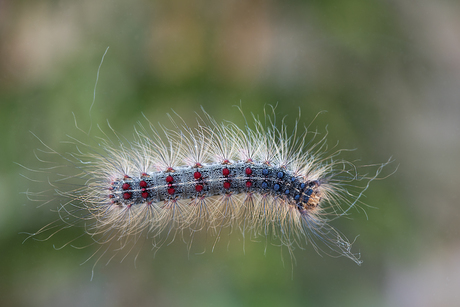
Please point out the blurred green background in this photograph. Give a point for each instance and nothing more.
(387, 72)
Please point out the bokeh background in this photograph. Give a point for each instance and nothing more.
(387, 72)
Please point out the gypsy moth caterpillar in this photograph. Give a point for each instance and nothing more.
(164, 183)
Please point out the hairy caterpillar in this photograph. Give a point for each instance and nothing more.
(259, 179)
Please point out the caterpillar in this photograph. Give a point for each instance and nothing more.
(166, 182)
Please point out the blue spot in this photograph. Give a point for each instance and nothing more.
(297, 197)
(264, 185)
(306, 198)
(280, 175)
(276, 187)
(302, 186)
(265, 172)
(309, 192)
(293, 179)
(286, 192)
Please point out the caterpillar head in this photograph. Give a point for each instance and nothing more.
(311, 195)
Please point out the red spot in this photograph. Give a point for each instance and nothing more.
(126, 177)
(171, 191)
(226, 162)
(145, 175)
(145, 194)
(127, 195)
(125, 186)
(111, 196)
(170, 169)
(248, 171)
(198, 164)
(143, 184)
(248, 184)
(227, 185)
(169, 179)
(143, 189)
(225, 172)
(197, 175)
(199, 187)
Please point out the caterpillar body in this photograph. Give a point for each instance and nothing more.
(259, 179)
(216, 179)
